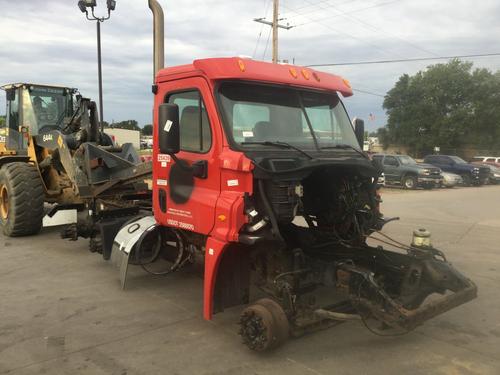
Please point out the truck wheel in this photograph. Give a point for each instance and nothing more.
(21, 200)
(410, 182)
(264, 325)
(467, 181)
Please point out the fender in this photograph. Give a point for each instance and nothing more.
(130, 235)
(213, 255)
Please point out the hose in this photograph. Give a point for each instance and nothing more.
(270, 212)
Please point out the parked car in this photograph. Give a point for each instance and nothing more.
(470, 173)
(405, 171)
(451, 180)
(494, 177)
(487, 160)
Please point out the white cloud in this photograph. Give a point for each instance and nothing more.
(51, 42)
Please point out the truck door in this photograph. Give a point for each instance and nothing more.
(391, 165)
(182, 199)
(444, 163)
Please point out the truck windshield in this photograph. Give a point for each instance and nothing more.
(256, 113)
(45, 108)
(406, 160)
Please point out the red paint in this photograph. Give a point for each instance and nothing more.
(216, 206)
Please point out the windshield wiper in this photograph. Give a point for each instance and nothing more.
(279, 144)
(344, 146)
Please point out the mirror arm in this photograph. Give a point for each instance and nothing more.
(198, 168)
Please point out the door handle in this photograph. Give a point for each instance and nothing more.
(200, 169)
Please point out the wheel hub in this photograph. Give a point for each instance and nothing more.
(4, 202)
(254, 331)
(264, 325)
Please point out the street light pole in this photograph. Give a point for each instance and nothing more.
(99, 73)
(83, 5)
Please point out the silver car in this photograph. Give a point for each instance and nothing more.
(451, 179)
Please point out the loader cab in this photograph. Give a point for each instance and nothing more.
(35, 109)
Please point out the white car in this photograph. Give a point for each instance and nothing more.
(451, 179)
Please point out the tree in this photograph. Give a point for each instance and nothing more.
(128, 124)
(447, 105)
(147, 130)
(2, 121)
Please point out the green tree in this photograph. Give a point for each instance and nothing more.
(147, 130)
(128, 124)
(447, 105)
(2, 121)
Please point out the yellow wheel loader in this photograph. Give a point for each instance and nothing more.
(52, 151)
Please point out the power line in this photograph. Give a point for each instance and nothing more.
(368, 92)
(348, 12)
(267, 2)
(312, 5)
(375, 28)
(407, 60)
(352, 36)
(267, 44)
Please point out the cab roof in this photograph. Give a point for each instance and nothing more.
(230, 68)
(17, 85)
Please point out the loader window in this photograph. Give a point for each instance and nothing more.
(13, 113)
(45, 108)
(194, 125)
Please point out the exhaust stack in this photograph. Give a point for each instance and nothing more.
(158, 37)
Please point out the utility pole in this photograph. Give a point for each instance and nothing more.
(275, 26)
(276, 10)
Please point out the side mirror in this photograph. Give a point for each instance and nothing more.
(169, 138)
(359, 130)
(11, 95)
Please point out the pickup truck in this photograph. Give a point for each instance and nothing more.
(405, 171)
(471, 174)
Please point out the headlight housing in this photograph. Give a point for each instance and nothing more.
(425, 172)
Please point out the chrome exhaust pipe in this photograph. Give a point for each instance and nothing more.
(158, 37)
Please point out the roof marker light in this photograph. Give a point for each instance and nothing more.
(316, 76)
(241, 64)
(306, 74)
(346, 82)
(293, 72)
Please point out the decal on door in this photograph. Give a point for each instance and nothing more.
(180, 224)
(177, 212)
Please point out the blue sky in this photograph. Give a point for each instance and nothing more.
(51, 42)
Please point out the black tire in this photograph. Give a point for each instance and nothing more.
(409, 182)
(467, 180)
(21, 199)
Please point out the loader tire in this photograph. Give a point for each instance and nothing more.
(21, 200)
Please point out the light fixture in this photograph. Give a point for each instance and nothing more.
(111, 4)
(84, 4)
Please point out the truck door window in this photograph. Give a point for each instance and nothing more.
(391, 160)
(194, 124)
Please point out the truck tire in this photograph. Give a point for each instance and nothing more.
(467, 180)
(409, 182)
(21, 199)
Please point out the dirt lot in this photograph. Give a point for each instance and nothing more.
(62, 310)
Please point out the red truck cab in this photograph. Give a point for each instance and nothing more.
(213, 205)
